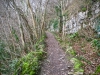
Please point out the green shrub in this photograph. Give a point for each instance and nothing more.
(89, 14)
(83, 59)
(71, 51)
(12, 64)
(74, 35)
(96, 43)
(88, 39)
(40, 43)
(97, 26)
(77, 65)
(54, 23)
(4, 56)
(83, 9)
(97, 71)
(29, 64)
(2, 50)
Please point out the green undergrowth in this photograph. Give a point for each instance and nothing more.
(40, 43)
(96, 44)
(83, 59)
(70, 51)
(82, 40)
(77, 64)
(31, 62)
(83, 9)
(97, 71)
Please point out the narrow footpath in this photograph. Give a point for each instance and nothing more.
(56, 62)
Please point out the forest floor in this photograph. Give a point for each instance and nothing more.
(56, 62)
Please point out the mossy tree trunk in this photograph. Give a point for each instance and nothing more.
(61, 19)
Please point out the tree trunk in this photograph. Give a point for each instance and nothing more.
(44, 18)
(61, 19)
(21, 14)
(34, 22)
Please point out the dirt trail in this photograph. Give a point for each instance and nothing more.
(56, 62)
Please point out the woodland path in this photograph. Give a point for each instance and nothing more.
(56, 62)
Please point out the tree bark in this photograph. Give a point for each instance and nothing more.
(34, 22)
(61, 19)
